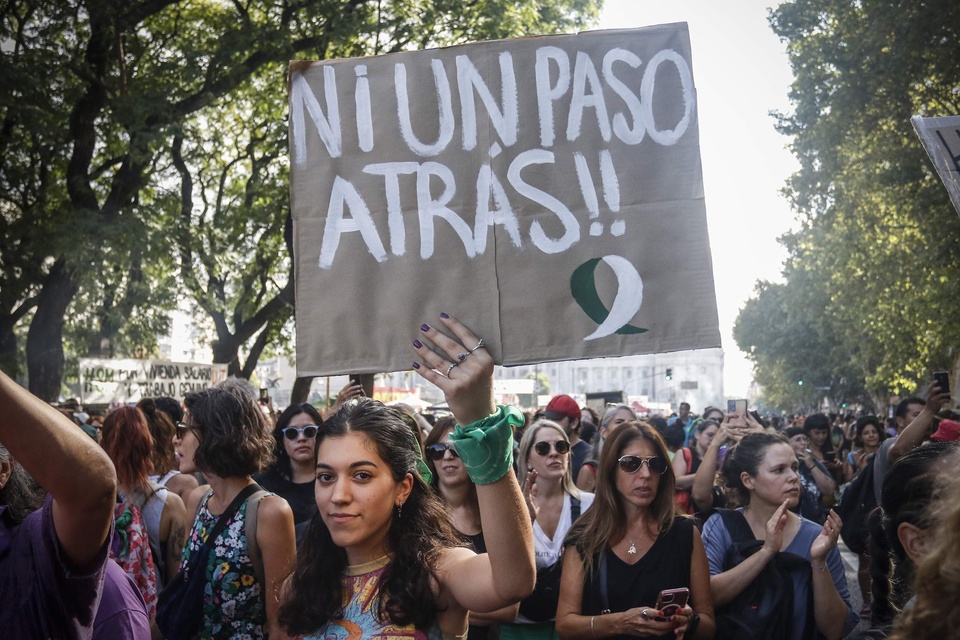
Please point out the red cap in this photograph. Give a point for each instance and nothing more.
(948, 431)
(561, 407)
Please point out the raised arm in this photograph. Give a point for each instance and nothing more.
(463, 369)
(73, 469)
(912, 436)
(701, 490)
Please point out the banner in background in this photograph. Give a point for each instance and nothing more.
(546, 191)
(104, 381)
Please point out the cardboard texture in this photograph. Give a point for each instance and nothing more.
(941, 139)
(545, 191)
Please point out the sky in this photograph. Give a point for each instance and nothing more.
(742, 74)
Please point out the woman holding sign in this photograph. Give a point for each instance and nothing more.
(383, 557)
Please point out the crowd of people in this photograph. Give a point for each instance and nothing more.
(212, 518)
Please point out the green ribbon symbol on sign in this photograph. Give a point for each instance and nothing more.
(583, 287)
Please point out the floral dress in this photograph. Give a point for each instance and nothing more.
(232, 602)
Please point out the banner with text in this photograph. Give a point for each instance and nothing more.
(104, 381)
(941, 139)
(546, 191)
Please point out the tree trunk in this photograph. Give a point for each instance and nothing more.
(9, 363)
(301, 390)
(45, 337)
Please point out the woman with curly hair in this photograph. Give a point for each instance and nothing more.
(631, 546)
(225, 436)
(383, 559)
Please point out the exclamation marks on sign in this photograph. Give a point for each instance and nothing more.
(611, 192)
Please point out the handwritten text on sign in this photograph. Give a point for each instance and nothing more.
(453, 169)
(104, 381)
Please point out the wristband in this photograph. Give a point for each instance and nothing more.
(486, 446)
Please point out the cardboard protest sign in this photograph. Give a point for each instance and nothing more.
(941, 139)
(546, 191)
(104, 381)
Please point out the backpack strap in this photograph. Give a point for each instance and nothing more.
(604, 597)
(229, 512)
(574, 509)
(253, 505)
(737, 525)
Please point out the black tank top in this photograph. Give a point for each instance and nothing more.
(665, 566)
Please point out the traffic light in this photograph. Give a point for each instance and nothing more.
(669, 373)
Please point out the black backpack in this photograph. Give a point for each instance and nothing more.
(541, 605)
(764, 610)
(858, 500)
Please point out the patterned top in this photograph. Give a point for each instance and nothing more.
(361, 584)
(232, 606)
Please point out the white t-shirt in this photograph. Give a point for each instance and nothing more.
(547, 551)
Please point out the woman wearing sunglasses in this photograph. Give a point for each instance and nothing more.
(762, 471)
(554, 502)
(292, 476)
(225, 436)
(630, 547)
(453, 484)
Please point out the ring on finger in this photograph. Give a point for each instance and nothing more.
(463, 356)
(480, 345)
(451, 367)
(643, 614)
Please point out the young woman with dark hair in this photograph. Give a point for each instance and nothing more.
(164, 459)
(225, 436)
(867, 435)
(127, 440)
(293, 474)
(762, 471)
(899, 529)
(633, 532)
(383, 558)
(934, 613)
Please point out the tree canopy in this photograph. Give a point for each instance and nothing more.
(873, 273)
(142, 160)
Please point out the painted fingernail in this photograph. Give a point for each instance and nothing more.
(424, 327)
(416, 365)
(417, 344)
(444, 316)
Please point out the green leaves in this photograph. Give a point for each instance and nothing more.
(877, 247)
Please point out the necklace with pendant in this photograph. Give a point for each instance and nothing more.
(633, 547)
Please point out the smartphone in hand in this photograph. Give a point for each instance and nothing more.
(670, 601)
(942, 378)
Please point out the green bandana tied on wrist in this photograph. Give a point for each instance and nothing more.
(486, 446)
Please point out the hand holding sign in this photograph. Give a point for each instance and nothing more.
(462, 368)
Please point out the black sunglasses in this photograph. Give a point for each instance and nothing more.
(309, 432)
(183, 427)
(435, 451)
(632, 464)
(560, 446)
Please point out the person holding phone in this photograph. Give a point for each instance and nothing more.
(631, 556)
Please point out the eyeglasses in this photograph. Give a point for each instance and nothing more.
(632, 464)
(183, 427)
(435, 451)
(309, 432)
(560, 446)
